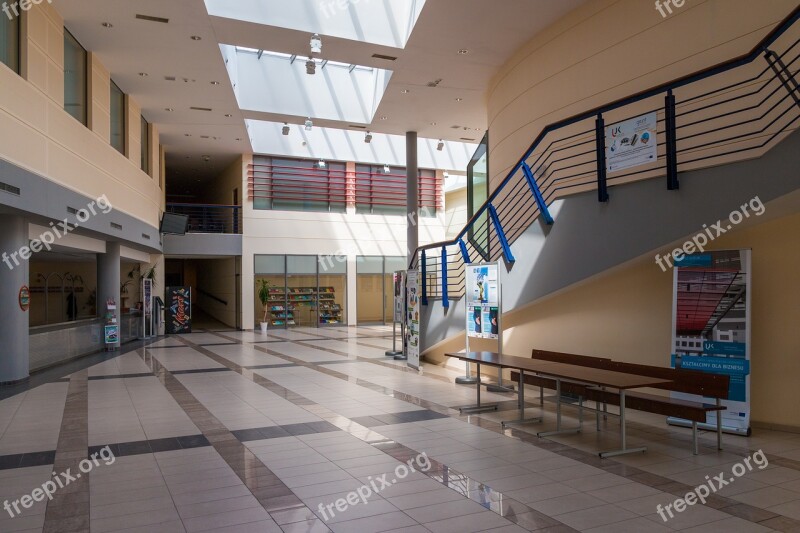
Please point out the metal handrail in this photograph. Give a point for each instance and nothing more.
(569, 163)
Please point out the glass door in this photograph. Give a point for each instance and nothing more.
(333, 294)
(278, 312)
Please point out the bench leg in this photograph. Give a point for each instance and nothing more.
(694, 438)
(719, 425)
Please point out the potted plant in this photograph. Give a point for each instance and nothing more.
(263, 296)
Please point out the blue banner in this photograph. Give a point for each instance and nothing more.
(725, 348)
(737, 369)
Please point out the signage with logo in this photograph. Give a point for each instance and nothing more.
(179, 310)
(632, 143)
(24, 298)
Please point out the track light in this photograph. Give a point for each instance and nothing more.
(386, 169)
(321, 163)
(309, 124)
(440, 146)
(316, 44)
(368, 138)
(285, 130)
(311, 67)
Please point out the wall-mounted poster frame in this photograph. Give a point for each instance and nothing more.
(711, 329)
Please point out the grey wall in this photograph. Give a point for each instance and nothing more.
(589, 237)
(202, 245)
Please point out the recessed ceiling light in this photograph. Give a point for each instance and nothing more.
(169, 109)
(463, 52)
(196, 38)
(107, 25)
(187, 134)
(459, 99)
(433, 123)
(405, 91)
(228, 115)
(143, 74)
(214, 83)
(384, 117)
(238, 139)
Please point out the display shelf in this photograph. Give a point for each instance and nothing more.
(287, 304)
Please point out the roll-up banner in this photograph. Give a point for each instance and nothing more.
(412, 318)
(711, 329)
(179, 310)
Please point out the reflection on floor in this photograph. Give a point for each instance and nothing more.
(310, 429)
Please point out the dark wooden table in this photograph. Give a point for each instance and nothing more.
(560, 372)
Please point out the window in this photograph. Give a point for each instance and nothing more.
(477, 193)
(117, 118)
(379, 192)
(298, 185)
(145, 163)
(74, 78)
(9, 42)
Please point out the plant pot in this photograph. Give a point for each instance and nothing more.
(264, 327)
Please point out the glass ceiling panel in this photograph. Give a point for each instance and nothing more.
(271, 82)
(381, 22)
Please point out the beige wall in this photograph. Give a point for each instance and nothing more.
(455, 212)
(626, 314)
(217, 277)
(38, 135)
(610, 49)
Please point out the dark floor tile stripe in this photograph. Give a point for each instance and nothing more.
(69, 508)
(122, 376)
(199, 371)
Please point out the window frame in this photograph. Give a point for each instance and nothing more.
(14, 23)
(123, 119)
(84, 117)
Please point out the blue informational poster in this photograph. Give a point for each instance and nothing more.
(483, 299)
(711, 328)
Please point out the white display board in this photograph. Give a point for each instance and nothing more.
(412, 318)
(483, 300)
(632, 143)
(399, 279)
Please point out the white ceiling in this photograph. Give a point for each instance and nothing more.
(491, 30)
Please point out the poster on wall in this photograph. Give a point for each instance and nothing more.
(711, 328)
(632, 142)
(412, 318)
(399, 279)
(179, 307)
(483, 300)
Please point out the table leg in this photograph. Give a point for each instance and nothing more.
(521, 402)
(479, 408)
(558, 430)
(622, 434)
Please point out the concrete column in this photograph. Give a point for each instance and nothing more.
(108, 278)
(412, 194)
(14, 322)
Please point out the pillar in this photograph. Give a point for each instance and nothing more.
(412, 194)
(108, 279)
(14, 321)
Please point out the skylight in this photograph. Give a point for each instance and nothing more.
(380, 22)
(277, 83)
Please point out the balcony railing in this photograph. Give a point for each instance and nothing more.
(207, 218)
(733, 111)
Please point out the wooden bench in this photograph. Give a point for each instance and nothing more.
(686, 381)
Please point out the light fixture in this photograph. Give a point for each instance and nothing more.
(196, 38)
(169, 109)
(463, 52)
(405, 91)
(285, 129)
(214, 83)
(228, 115)
(316, 44)
(107, 25)
(386, 169)
(311, 67)
(459, 99)
(440, 146)
(309, 124)
(433, 123)
(384, 117)
(446, 174)
(143, 74)
(368, 138)
(321, 163)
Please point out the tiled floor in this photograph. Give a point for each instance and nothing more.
(232, 431)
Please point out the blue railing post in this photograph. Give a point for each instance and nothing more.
(501, 234)
(424, 275)
(672, 142)
(464, 252)
(600, 138)
(537, 194)
(445, 298)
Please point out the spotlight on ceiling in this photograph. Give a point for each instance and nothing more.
(386, 169)
(285, 129)
(311, 67)
(321, 163)
(368, 138)
(309, 124)
(440, 146)
(316, 44)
